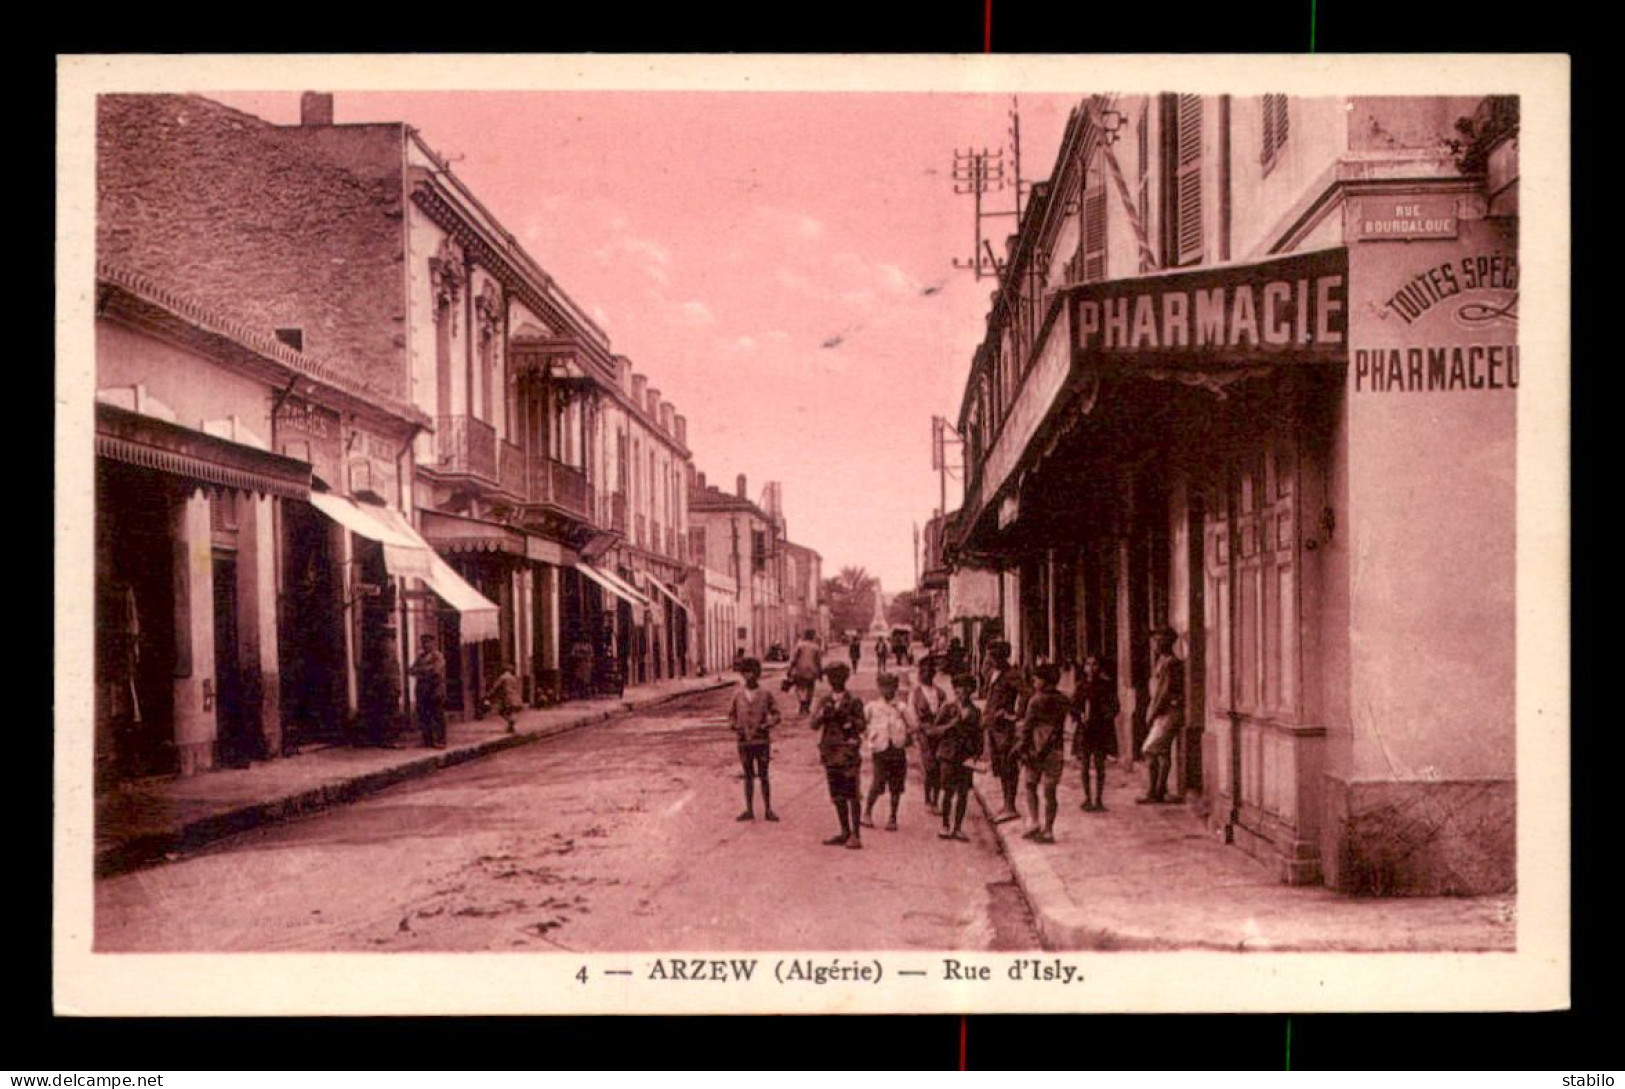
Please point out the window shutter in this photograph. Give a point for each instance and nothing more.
(1188, 179)
(1094, 234)
(1275, 126)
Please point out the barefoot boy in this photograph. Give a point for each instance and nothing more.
(887, 737)
(839, 720)
(960, 744)
(753, 714)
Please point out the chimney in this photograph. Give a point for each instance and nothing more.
(315, 108)
(739, 486)
(702, 482)
(639, 384)
(682, 429)
(668, 416)
(654, 405)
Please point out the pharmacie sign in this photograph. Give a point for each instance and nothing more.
(1291, 309)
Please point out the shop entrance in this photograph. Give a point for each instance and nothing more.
(236, 743)
(310, 638)
(135, 623)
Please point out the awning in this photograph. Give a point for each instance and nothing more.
(614, 585)
(478, 613)
(667, 590)
(406, 554)
(973, 594)
(150, 443)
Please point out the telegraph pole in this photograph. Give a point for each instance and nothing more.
(978, 173)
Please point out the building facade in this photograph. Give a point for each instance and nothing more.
(740, 539)
(1251, 374)
(480, 399)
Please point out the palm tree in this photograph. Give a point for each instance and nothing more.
(851, 596)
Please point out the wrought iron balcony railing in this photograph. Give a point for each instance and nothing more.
(467, 447)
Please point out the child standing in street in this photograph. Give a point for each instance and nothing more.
(753, 714)
(959, 745)
(1041, 748)
(1095, 705)
(503, 695)
(887, 741)
(925, 704)
(839, 720)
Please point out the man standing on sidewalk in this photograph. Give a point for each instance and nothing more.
(1166, 714)
(429, 671)
(1006, 699)
(1043, 732)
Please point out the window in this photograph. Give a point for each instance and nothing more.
(1183, 196)
(758, 550)
(1276, 122)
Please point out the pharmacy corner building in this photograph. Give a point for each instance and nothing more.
(1271, 404)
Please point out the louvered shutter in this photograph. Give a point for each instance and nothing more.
(1094, 225)
(1275, 126)
(1188, 179)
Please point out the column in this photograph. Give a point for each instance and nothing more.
(194, 633)
(343, 554)
(257, 617)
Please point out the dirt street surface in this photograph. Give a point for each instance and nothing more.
(618, 837)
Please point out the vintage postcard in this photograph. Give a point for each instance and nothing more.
(804, 534)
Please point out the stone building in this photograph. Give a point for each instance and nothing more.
(357, 243)
(740, 539)
(1251, 373)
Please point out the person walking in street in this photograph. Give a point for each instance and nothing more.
(429, 692)
(503, 696)
(1095, 706)
(753, 714)
(886, 738)
(1042, 749)
(854, 651)
(925, 705)
(838, 717)
(881, 651)
(1166, 713)
(806, 665)
(1006, 699)
(960, 745)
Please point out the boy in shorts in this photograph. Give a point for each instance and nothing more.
(753, 714)
(887, 739)
(960, 743)
(1041, 749)
(839, 720)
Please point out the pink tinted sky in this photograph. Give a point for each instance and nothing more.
(724, 239)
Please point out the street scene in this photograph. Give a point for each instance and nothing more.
(1087, 522)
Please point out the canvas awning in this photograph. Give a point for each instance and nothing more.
(480, 616)
(614, 585)
(667, 590)
(973, 594)
(406, 555)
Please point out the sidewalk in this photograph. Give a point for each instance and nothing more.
(145, 821)
(1151, 877)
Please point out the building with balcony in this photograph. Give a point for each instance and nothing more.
(371, 254)
(1250, 373)
(640, 444)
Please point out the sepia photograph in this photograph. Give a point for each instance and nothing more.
(1028, 536)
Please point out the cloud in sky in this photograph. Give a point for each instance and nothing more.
(697, 313)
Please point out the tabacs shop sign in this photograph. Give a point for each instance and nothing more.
(1287, 310)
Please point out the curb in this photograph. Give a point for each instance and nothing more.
(1063, 925)
(147, 850)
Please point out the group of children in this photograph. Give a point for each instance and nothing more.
(1018, 727)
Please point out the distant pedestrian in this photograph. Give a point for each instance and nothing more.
(838, 716)
(753, 714)
(503, 695)
(959, 747)
(886, 722)
(881, 651)
(806, 665)
(1006, 700)
(854, 651)
(1166, 713)
(1095, 705)
(926, 705)
(429, 673)
(1042, 749)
